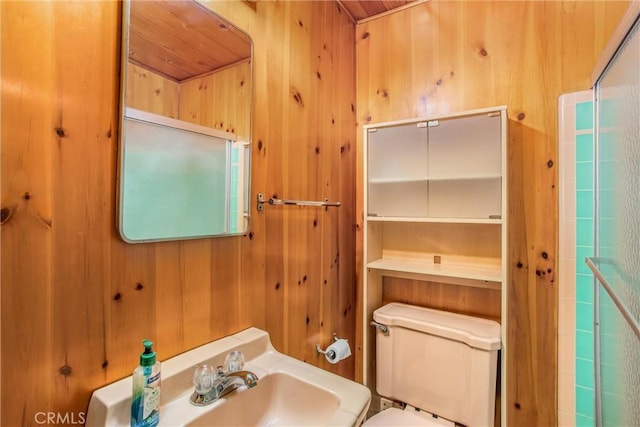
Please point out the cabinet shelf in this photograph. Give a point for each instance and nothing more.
(402, 180)
(434, 220)
(469, 275)
(397, 180)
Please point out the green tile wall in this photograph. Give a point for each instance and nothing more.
(234, 193)
(584, 116)
(585, 374)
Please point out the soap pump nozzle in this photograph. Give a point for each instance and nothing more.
(148, 358)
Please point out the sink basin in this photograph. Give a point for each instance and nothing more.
(289, 392)
(278, 400)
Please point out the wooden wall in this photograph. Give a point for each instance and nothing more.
(149, 91)
(221, 100)
(447, 56)
(76, 300)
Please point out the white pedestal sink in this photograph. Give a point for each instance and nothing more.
(289, 392)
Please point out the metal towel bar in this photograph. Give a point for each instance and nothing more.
(626, 313)
(272, 201)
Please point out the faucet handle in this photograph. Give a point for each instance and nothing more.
(219, 372)
(203, 379)
(234, 361)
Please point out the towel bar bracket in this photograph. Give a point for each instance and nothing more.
(273, 201)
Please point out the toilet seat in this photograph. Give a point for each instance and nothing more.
(395, 417)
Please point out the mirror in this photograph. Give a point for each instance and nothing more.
(185, 123)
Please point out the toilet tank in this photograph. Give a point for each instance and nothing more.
(440, 362)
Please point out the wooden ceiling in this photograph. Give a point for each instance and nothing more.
(360, 9)
(182, 39)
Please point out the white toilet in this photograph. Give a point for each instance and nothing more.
(442, 365)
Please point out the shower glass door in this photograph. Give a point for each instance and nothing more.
(617, 265)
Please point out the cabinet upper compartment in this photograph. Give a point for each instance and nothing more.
(449, 167)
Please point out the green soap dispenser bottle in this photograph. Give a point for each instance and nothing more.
(145, 402)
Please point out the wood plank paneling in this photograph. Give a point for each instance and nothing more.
(221, 100)
(360, 9)
(26, 211)
(182, 39)
(468, 300)
(76, 300)
(445, 56)
(148, 91)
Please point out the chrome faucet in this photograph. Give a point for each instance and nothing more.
(211, 385)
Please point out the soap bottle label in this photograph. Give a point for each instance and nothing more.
(151, 400)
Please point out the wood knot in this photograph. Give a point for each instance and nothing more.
(260, 145)
(520, 116)
(298, 98)
(545, 255)
(438, 82)
(105, 364)
(519, 265)
(26, 196)
(317, 150)
(550, 164)
(65, 370)
(139, 286)
(308, 320)
(483, 52)
(60, 132)
(277, 286)
(6, 214)
(365, 35)
(117, 297)
(318, 75)
(251, 235)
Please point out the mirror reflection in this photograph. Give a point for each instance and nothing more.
(184, 150)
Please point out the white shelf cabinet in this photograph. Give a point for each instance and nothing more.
(435, 205)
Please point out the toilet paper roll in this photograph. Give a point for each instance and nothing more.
(338, 351)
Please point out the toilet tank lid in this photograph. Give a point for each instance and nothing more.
(478, 333)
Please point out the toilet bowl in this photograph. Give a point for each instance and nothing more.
(442, 365)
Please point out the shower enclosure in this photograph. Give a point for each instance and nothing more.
(616, 264)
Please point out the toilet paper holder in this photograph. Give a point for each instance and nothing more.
(338, 350)
(321, 351)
